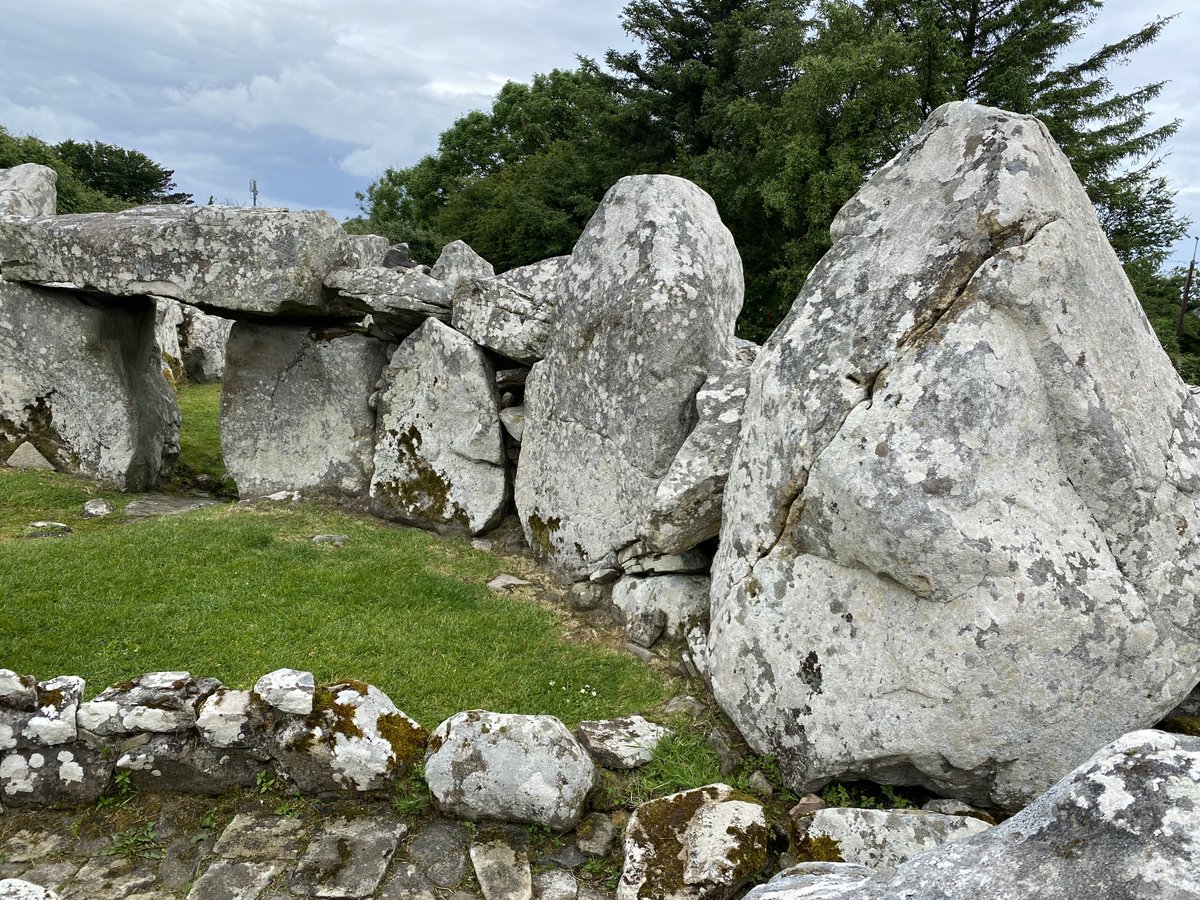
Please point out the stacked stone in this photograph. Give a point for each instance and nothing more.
(169, 731)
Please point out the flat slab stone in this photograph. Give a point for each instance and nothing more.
(237, 262)
(407, 883)
(225, 880)
(295, 412)
(440, 849)
(26, 845)
(260, 837)
(348, 858)
(108, 878)
(152, 505)
(501, 866)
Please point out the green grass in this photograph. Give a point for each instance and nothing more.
(200, 463)
(237, 591)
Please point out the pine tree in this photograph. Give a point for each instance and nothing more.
(1008, 53)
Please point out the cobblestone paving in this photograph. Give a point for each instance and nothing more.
(252, 847)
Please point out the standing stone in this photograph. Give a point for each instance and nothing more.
(202, 340)
(439, 451)
(646, 311)
(168, 316)
(236, 261)
(959, 536)
(294, 412)
(457, 260)
(687, 504)
(83, 384)
(28, 190)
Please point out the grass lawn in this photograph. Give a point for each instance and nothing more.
(236, 591)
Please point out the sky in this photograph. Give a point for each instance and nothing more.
(314, 98)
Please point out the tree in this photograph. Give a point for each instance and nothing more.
(518, 182)
(74, 196)
(128, 175)
(780, 109)
(1008, 53)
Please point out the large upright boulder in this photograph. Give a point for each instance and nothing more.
(959, 544)
(28, 190)
(646, 311)
(1122, 826)
(237, 262)
(82, 383)
(439, 452)
(294, 409)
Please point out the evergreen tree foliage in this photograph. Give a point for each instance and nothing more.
(780, 109)
(93, 177)
(128, 175)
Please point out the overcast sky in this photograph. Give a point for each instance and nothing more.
(314, 98)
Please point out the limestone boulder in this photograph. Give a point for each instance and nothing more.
(182, 764)
(168, 316)
(501, 318)
(439, 451)
(398, 256)
(687, 502)
(484, 766)
(397, 299)
(646, 310)
(457, 260)
(38, 713)
(66, 774)
(877, 838)
(355, 739)
(368, 250)
(234, 261)
(624, 743)
(82, 383)
(28, 190)
(959, 537)
(16, 889)
(294, 409)
(512, 313)
(681, 599)
(202, 340)
(1122, 825)
(158, 702)
(703, 843)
